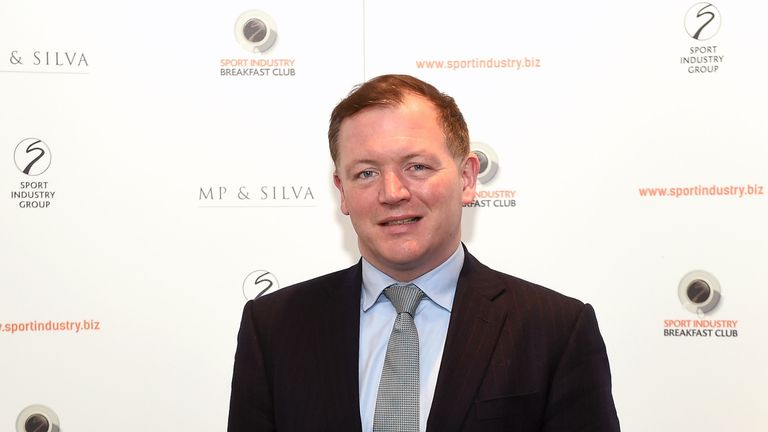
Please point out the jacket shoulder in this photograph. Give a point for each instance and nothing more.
(529, 290)
(308, 293)
(520, 296)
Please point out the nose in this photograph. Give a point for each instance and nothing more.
(393, 189)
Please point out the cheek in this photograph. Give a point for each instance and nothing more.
(357, 203)
(444, 194)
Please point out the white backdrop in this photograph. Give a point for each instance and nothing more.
(173, 179)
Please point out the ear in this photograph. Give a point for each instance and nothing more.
(469, 169)
(342, 201)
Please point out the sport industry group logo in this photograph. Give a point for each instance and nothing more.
(702, 23)
(259, 283)
(32, 157)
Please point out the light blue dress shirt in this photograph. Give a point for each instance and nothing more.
(377, 316)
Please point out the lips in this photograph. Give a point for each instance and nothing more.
(400, 221)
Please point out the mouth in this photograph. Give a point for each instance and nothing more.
(405, 221)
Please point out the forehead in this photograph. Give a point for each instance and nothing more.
(412, 108)
(413, 123)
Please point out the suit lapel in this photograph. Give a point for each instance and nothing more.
(474, 329)
(341, 342)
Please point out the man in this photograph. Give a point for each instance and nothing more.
(482, 351)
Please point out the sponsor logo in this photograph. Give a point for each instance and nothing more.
(291, 195)
(485, 196)
(32, 157)
(489, 161)
(702, 23)
(256, 32)
(47, 61)
(259, 283)
(699, 292)
(37, 418)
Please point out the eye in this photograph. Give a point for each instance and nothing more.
(366, 174)
(419, 168)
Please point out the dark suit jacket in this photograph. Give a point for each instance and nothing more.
(517, 357)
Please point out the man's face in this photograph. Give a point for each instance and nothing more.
(402, 188)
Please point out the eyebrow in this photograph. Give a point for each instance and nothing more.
(363, 162)
(405, 158)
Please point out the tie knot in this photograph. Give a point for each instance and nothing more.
(405, 298)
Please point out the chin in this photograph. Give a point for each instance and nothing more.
(405, 260)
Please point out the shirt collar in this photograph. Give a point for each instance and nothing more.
(439, 284)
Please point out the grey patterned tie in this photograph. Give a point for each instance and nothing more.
(397, 403)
